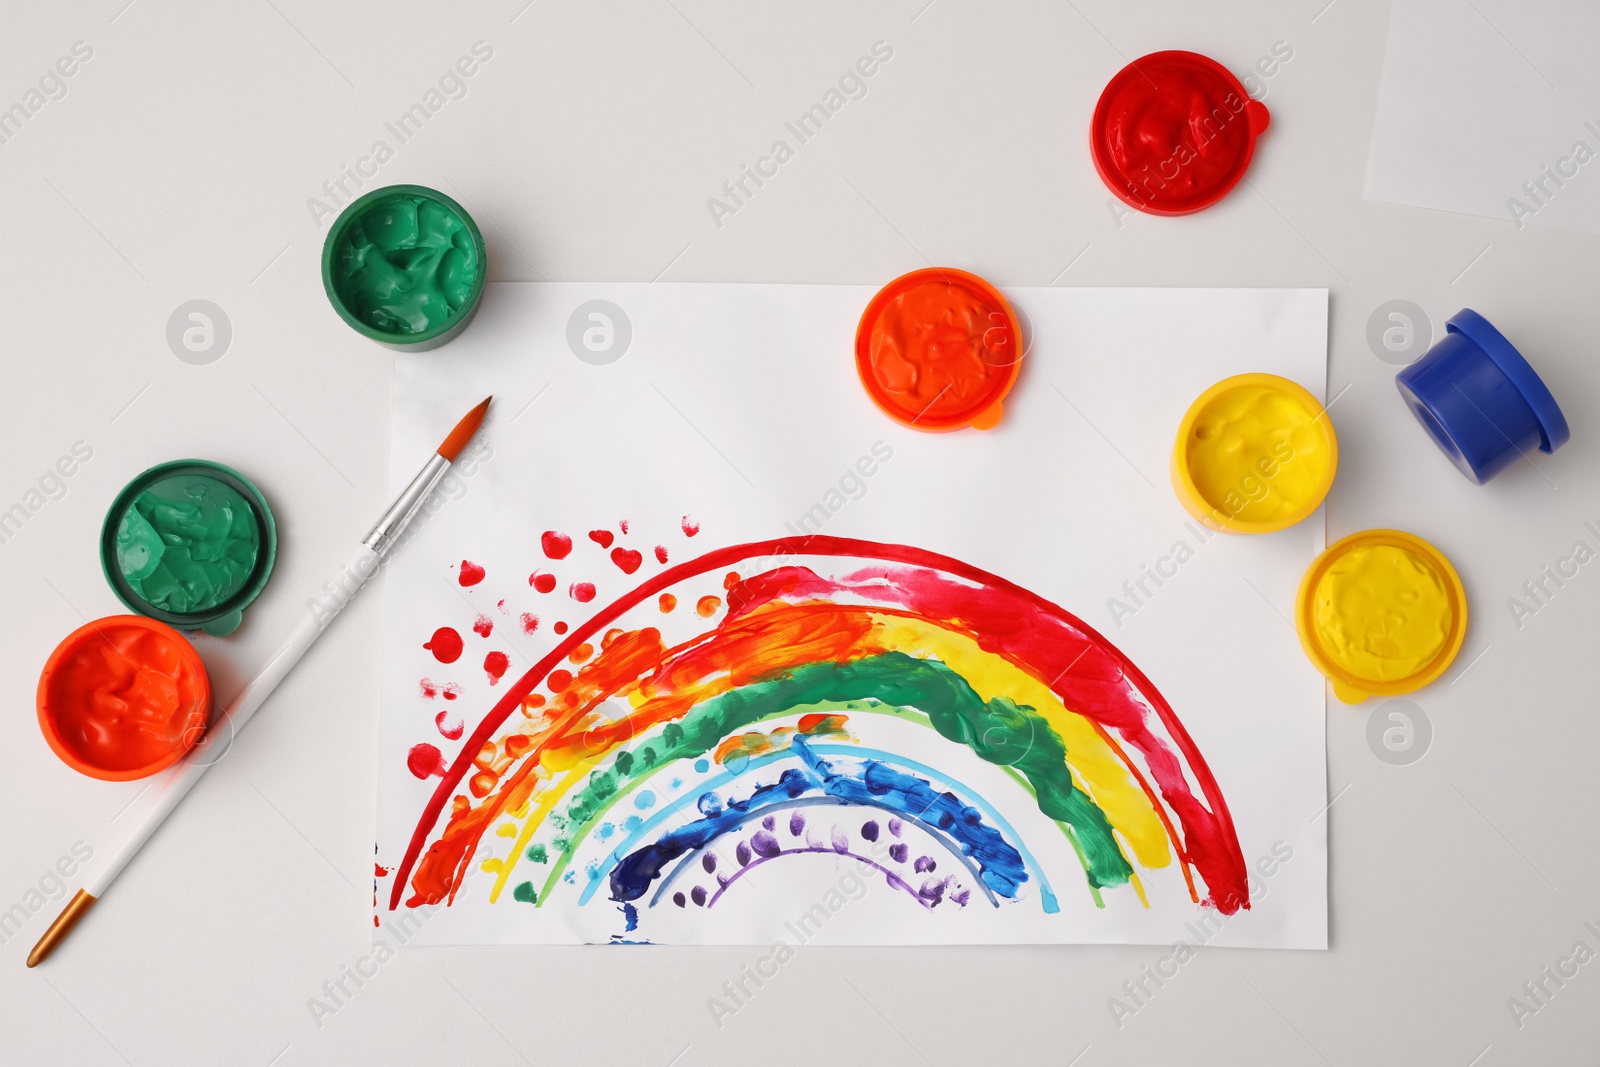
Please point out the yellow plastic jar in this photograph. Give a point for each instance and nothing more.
(1255, 453)
(1380, 613)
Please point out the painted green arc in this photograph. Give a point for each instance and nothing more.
(999, 731)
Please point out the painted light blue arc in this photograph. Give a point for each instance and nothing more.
(1047, 897)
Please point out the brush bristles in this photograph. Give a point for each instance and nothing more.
(452, 446)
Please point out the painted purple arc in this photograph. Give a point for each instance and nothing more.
(808, 802)
(894, 880)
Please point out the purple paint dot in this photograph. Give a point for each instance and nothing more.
(742, 854)
(923, 865)
(961, 896)
(898, 852)
(677, 898)
(895, 826)
(769, 822)
(765, 844)
(797, 823)
(709, 862)
(698, 895)
(932, 891)
(869, 830)
(840, 842)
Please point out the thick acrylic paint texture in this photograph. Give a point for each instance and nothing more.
(405, 265)
(1174, 132)
(123, 697)
(187, 543)
(1381, 613)
(191, 543)
(983, 663)
(939, 349)
(1254, 453)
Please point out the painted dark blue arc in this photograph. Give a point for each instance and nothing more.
(868, 783)
(687, 861)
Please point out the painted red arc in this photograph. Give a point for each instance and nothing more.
(1216, 854)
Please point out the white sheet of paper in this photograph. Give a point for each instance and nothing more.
(1480, 97)
(739, 405)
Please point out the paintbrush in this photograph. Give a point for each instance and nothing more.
(319, 612)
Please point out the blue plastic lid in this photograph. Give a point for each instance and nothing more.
(1553, 429)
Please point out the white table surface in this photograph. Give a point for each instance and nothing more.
(177, 166)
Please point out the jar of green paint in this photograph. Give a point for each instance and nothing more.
(190, 543)
(405, 266)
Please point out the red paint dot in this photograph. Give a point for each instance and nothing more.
(707, 606)
(559, 680)
(667, 602)
(627, 559)
(425, 761)
(429, 689)
(623, 525)
(603, 538)
(379, 871)
(471, 573)
(450, 692)
(560, 627)
(661, 553)
(530, 622)
(555, 545)
(543, 581)
(582, 592)
(690, 527)
(445, 645)
(496, 663)
(501, 604)
(451, 730)
(484, 626)
(730, 579)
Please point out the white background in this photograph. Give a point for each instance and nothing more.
(178, 167)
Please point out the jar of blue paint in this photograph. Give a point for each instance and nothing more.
(1479, 399)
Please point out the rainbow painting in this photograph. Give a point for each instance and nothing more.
(730, 734)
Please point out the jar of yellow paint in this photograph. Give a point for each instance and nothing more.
(1255, 453)
(1380, 613)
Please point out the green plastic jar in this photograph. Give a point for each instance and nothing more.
(405, 266)
(190, 543)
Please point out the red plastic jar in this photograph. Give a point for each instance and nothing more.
(1174, 132)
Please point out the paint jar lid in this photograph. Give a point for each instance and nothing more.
(1255, 453)
(1173, 132)
(123, 697)
(417, 278)
(938, 349)
(1380, 613)
(1553, 429)
(191, 543)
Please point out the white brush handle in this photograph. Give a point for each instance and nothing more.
(175, 783)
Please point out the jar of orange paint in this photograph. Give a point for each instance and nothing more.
(123, 697)
(938, 349)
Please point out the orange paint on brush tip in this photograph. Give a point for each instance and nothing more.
(453, 444)
(123, 697)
